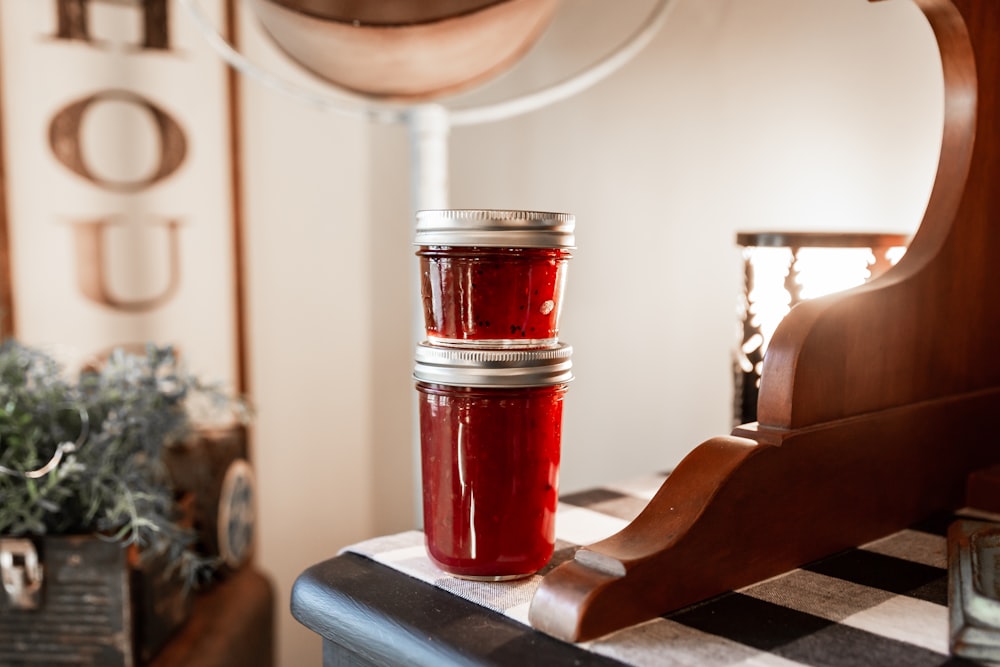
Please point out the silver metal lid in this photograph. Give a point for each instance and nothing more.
(495, 228)
(465, 367)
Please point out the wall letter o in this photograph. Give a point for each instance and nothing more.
(64, 140)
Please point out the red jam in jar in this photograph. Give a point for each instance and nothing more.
(492, 278)
(490, 434)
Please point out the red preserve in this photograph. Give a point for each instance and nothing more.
(493, 278)
(490, 434)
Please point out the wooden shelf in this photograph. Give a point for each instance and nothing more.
(231, 625)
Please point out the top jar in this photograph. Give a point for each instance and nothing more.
(493, 278)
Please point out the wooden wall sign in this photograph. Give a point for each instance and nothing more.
(120, 184)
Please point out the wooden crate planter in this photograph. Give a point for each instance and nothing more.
(210, 471)
(93, 607)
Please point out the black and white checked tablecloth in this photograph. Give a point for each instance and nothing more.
(883, 603)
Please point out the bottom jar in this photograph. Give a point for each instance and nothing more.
(490, 433)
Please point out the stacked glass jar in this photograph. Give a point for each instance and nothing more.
(491, 376)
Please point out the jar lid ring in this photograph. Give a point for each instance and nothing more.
(478, 367)
(495, 228)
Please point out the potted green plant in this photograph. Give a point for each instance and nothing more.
(88, 510)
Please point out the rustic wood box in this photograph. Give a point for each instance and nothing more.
(93, 607)
(211, 473)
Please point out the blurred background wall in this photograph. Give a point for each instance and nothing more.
(741, 115)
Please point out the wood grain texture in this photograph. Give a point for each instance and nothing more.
(983, 490)
(925, 329)
(85, 614)
(6, 274)
(231, 625)
(197, 468)
(875, 404)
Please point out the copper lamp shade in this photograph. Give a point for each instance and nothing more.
(403, 49)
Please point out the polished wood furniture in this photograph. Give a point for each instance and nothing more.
(875, 405)
(231, 625)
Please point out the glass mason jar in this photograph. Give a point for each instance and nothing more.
(493, 278)
(490, 436)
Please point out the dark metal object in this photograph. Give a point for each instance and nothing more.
(974, 589)
(20, 573)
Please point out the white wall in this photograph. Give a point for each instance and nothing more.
(742, 115)
(309, 334)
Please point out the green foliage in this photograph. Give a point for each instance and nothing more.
(113, 482)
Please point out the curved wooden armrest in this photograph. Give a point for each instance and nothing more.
(875, 404)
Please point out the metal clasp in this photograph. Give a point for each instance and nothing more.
(20, 572)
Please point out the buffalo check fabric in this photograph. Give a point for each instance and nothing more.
(883, 603)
